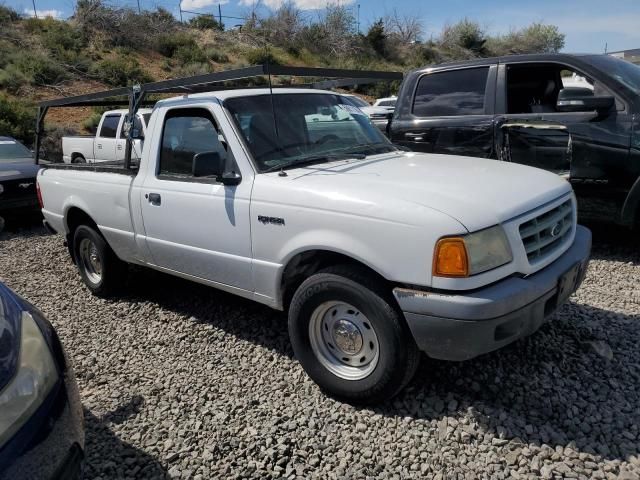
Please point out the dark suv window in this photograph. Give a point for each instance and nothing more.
(458, 92)
(110, 126)
(185, 133)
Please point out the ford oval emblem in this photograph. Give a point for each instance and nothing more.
(555, 230)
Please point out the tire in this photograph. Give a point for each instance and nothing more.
(78, 159)
(100, 269)
(365, 365)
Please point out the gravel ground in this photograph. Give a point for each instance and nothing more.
(183, 381)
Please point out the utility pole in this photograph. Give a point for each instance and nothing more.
(358, 18)
(139, 7)
(220, 15)
(605, 47)
(35, 12)
(180, 8)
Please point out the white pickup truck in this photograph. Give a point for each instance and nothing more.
(109, 142)
(376, 253)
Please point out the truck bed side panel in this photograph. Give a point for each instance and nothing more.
(77, 145)
(103, 196)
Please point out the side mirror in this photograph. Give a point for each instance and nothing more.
(133, 132)
(137, 134)
(577, 99)
(207, 164)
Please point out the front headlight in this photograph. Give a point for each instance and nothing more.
(35, 376)
(471, 254)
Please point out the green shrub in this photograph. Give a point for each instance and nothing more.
(216, 55)
(181, 47)
(11, 78)
(91, 124)
(17, 119)
(262, 56)
(206, 22)
(192, 69)
(190, 54)
(35, 68)
(56, 35)
(167, 44)
(8, 15)
(120, 71)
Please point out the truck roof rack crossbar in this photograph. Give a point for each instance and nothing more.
(135, 96)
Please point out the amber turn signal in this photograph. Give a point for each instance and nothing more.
(450, 259)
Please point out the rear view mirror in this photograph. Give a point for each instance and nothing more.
(207, 164)
(577, 99)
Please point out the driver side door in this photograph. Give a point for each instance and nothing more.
(196, 225)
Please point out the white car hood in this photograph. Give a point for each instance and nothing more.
(476, 192)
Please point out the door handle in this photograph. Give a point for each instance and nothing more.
(100, 146)
(154, 198)
(119, 147)
(415, 136)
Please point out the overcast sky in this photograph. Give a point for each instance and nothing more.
(588, 24)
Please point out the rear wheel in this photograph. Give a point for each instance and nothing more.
(100, 269)
(78, 159)
(349, 337)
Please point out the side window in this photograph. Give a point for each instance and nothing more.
(571, 79)
(534, 88)
(458, 92)
(185, 133)
(109, 126)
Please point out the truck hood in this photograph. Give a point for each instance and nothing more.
(476, 192)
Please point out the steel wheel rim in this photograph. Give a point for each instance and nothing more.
(90, 260)
(344, 340)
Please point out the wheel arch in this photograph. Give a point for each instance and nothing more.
(305, 263)
(73, 218)
(631, 207)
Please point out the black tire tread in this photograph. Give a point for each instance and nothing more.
(114, 269)
(354, 276)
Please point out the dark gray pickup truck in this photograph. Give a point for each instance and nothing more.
(577, 115)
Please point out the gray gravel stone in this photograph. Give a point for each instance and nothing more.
(182, 381)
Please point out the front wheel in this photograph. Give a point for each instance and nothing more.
(100, 269)
(349, 338)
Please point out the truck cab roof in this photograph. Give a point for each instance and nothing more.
(223, 95)
(141, 111)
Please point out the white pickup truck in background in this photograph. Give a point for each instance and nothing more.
(109, 142)
(376, 253)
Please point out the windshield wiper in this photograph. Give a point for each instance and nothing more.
(328, 157)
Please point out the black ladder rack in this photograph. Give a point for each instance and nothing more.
(135, 96)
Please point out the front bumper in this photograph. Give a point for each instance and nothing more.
(460, 326)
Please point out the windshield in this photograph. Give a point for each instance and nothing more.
(11, 150)
(310, 127)
(625, 72)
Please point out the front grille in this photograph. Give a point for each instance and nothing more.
(547, 232)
